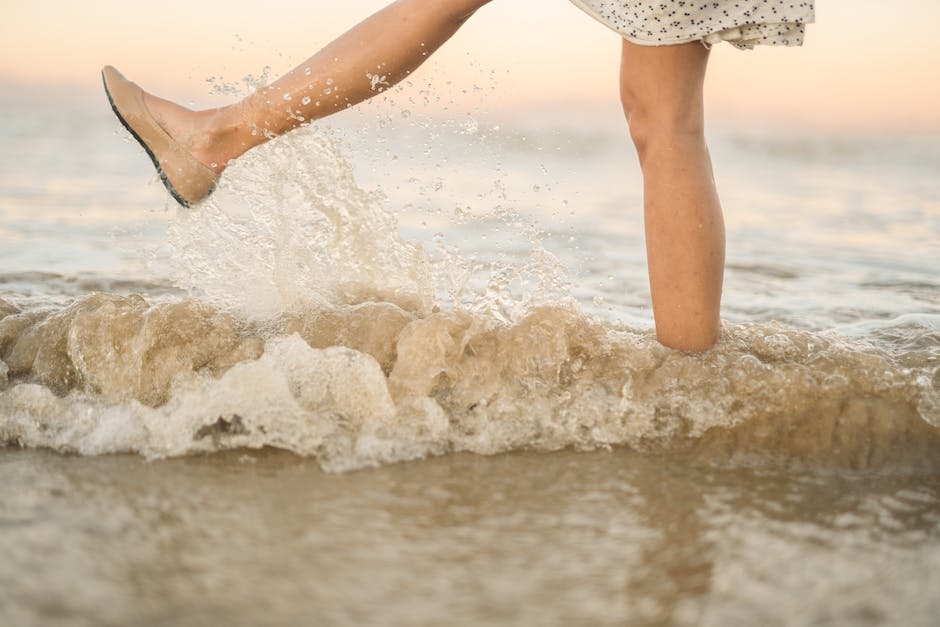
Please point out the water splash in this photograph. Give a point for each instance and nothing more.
(291, 230)
(314, 327)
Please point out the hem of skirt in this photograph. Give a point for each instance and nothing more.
(700, 38)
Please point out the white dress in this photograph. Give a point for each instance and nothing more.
(743, 23)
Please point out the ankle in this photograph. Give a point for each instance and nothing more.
(226, 135)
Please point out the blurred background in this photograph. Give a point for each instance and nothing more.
(826, 155)
(865, 65)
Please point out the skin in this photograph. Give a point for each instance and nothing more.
(662, 93)
(390, 45)
(661, 90)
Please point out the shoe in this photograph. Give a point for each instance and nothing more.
(186, 178)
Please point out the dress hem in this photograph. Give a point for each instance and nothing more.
(733, 34)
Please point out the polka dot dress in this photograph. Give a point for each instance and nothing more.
(743, 23)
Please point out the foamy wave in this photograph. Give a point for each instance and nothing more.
(111, 374)
(314, 328)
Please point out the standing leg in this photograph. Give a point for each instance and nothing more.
(661, 90)
(387, 46)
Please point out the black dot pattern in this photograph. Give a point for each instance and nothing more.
(742, 23)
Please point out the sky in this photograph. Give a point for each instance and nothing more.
(871, 66)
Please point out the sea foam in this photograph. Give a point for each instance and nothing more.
(312, 326)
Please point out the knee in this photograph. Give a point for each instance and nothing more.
(462, 10)
(656, 119)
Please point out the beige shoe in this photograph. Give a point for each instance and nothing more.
(187, 179)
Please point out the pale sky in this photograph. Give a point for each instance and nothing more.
(866, 64)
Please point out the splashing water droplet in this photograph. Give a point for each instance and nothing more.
(377, 82)
(470, 127)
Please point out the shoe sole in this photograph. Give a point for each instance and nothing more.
(156, 164)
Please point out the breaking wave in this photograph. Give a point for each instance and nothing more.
(312, 327)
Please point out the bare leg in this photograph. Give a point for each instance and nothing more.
(661, 90)
(387, 46)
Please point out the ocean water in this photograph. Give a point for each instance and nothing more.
(400, 370)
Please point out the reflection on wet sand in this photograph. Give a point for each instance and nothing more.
(602, 538)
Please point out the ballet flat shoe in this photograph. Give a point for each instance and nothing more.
(186, 178)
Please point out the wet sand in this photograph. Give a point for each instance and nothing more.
(601, 538)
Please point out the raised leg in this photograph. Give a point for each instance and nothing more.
(661, 90)
(373, 55)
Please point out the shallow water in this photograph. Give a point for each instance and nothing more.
(602, 538)
(393, 288)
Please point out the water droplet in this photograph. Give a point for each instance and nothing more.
(327, 91)
(307, 71)
(287, 96)
(329, 81)
(305, 100)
